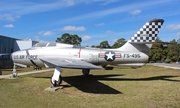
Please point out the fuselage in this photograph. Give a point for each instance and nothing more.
(31, 57)
(133, 53)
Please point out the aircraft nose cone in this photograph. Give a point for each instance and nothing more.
(16, 56)
(11, 56)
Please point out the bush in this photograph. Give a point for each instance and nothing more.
(167, 61)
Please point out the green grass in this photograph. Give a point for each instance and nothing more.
(146, 87)
(20, 70)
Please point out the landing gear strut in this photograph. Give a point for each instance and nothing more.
(85, 71)
(14, 72)
(56, 83)
(56, 79)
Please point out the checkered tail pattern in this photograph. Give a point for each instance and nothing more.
(148, 33)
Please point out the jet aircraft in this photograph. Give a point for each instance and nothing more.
(133, 53)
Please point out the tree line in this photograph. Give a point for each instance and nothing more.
(160, 51)
(168, 52)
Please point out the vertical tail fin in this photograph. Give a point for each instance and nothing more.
(143, 39)
(148, 33)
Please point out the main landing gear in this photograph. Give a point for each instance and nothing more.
(56, 83)
(56, 78)
(85, 71)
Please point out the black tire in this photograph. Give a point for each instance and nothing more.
(104, 66)
(56, 83)
(85, 71)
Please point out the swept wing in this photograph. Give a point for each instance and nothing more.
(68, 63)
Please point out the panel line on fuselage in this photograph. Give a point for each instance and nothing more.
(27, 52)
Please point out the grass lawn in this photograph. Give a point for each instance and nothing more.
(146, 87)
(20, 70)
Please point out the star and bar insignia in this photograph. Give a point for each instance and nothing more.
(109, 55)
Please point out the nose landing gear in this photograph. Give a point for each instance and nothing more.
(85, 71)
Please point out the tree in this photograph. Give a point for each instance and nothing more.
(170, 53)
(178, 50)
(93, 46)
(158, 52)
(69, 39)
(104, 44)
(174, 50)
(158, 40)
(120, 42)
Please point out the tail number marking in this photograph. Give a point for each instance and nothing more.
(132, 56)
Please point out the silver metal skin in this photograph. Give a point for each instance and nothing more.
(133, 53)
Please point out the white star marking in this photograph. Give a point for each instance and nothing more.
(109, 56)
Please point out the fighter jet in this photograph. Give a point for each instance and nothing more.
(133, 53)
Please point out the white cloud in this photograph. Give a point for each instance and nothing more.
(9, 26)
(24, 7)
(86, 38)
(115, 10)
(74, 28)
(109, 32)
(9, 17)
(69, 2)
(41, 32)
(47, 33)
(100, 24)
(36, 38)
(135, 12)
(178, 34)
(173, 27)
(106, 2)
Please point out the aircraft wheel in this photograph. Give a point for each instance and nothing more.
(85, 71)
(104, 66)
(56, 83)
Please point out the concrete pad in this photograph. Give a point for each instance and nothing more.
(62, 86)
(51, 88)
(11, 77)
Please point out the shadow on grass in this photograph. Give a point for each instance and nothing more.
(91, 84)
(165, 78)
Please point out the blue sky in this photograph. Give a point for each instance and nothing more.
(93, 20)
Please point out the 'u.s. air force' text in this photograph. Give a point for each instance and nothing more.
(30, 57)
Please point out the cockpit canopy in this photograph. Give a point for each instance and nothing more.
(55, 44)
(45, 44)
